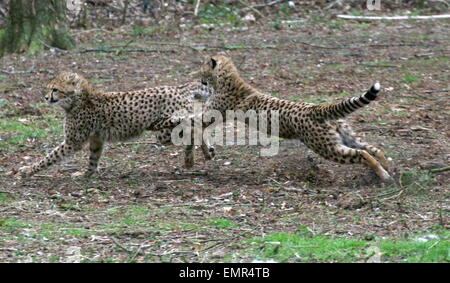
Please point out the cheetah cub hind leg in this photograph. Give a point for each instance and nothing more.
(350, 139)
(95, 152)
(360, 153)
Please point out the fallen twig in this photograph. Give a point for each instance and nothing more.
(134, 252)
(53, 47)
(354, 47)
(197, 5)
(259, 6)
(17, 72)
(437, 90)
(124, 50)
(393, 18)
(251, 8)
(393, 196)
(440, 170)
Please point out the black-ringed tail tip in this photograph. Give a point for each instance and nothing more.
(377, 86)
(373, 92)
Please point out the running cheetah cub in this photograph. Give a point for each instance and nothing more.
(320, 128)
(97, 117)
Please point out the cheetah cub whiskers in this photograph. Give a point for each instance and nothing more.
(97, 117)
(320, 128)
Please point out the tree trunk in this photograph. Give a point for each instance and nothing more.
(32, 24)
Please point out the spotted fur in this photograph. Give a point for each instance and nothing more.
(97, 117)
(320, 128)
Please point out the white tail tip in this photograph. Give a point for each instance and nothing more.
(377, 86)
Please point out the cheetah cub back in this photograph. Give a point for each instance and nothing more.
(96, 117)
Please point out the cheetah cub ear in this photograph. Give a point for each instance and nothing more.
(213, 63)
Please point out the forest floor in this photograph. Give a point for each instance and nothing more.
(145, 207)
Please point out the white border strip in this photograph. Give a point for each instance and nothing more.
(349, 17)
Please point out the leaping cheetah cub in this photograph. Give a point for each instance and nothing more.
(320, 128)
(97, 117)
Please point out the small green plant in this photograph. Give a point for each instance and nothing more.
(416, 181)
(410, 78)
(335, 24)
(277, 24)
(221, 223)
(285, 9)
(77, 233)
(356, 13)
(275, 94)
(315, 100)
(140, 31)
(220, 13)
(338, 66)
(4, 197)
(136, 215)
(363, 26)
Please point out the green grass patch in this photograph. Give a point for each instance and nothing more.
(442, 58)
(220, 13)
(342, 95)
(275, 94)
(356, 13)
(437, 250)
(337, 66)
(136, 215)
(305, 247)
(10, 225)
(221, 223)
(363, 26)
(284, 247)
(408, 78)
(140, 31)
(417, 182)
(380, 63)
(16, 132)
(100, 80)
(77, 233)
(315, 100)
(417, 63)
(335, 24)
(5, 197)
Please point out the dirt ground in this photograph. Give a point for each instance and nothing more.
(145, 207)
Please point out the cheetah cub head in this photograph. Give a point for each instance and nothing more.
(66, 89)
(217, 71)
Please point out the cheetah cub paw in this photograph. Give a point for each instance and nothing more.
(25, 171)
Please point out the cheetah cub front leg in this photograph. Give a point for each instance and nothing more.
(61, 151)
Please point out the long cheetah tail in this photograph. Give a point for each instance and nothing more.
(348, 105)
